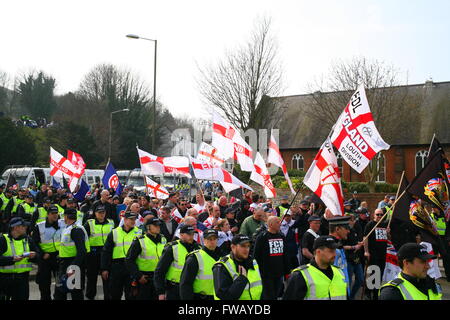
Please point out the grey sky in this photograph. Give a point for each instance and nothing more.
(67, 38)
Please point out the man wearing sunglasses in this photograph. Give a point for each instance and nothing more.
(375, 245)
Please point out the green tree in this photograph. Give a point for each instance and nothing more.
(36, 94)
(17, 145)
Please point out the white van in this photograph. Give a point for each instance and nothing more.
(26, 175)
(123, 176)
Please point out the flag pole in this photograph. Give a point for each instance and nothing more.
(431, 143)
(396, 195)
(290, 205)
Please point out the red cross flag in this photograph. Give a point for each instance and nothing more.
(76, 160)
(205, 171)
(355, 135)
(222, 136)
(60, 166)
(153, 165)
(209, 154)
(324, 179)
(243, 153)
(155, 189)
(275, 158)
(261, 176)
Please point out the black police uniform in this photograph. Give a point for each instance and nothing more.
(145, 291)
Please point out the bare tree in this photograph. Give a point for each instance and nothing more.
(4, 84)
(384, 91)
(236, 84)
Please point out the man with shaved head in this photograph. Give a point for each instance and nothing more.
(270, 253)
(110, 209)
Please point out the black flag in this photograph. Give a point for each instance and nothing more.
(11, 183)
(436, 146)
(65, 184)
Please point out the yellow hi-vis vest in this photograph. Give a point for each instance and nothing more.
(282, 210)
(67, 248)
(28, 209)
(42, 215)
(123, 240)
(440, 224)
(16, 248)
(50, 238)
(17, 201)
(150, 253)
(320, 287)
(410, 292)
(179, 258)
(5, 201)
(203, 283)
(99, 232)
(253, 290)
(60, 211)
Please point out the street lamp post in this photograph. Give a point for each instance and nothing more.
(133, 36)
(110, 129)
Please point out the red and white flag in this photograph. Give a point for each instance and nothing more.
(243, 153)
(391, 269)
(76, 160)
(155, 190)
(153, 165)
(261, 175)
(60, 166)
(209, 154)
(324, 179)
(205, 171)
(222, 136)
(275, 158)
(355, 135)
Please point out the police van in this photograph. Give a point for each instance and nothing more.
(123, 176)
(167, 180)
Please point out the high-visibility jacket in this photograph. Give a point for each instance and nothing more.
(203, 283)
(99, 232)
(123, 240)
(253, 290)
(60, 211)
(42, 214)
(282, 210)
(320, 287)
(179, 258)
(410, 292)
(17, 201)
(16, 248)
(5, 201)
(50, 238)
(150, 253)
(67, 248)
(440, 224)
(28, 208)
(80, 216)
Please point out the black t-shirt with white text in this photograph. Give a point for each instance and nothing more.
(377, 240)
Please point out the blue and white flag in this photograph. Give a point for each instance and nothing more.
(55, 184)
(111, 179)
(82, 192)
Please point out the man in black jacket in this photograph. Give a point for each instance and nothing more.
(110, 208)
(192, 269)
(171, 263)
(168, 225)
(142, 271)
(270, 253)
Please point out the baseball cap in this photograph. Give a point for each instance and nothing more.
(347, 203)
(47, 199)
(240, 239)
(100, 208)
(53, 209)
(130, 215)
(392, 198)
(229, 210)
(28, 195)
(355, 192)
(313, 218)
(210, 233)
(325, 241)
(71, 213)
(362, 210)
(284, 198)
(153, 220)
(115, 197)
(413, 250)
(304, 202)
(187, 229)
(18, 221)
(71, 200)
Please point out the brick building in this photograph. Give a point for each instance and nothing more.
(409, 136)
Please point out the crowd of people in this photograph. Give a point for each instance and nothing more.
(208, 247)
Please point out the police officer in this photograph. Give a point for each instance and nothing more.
(62, 205)
(320, 279)
(143, 257)
(196, 282)
(73, 249)
(5, 198)
(27, 208)
(47, 234)
(113, 256)
(413, 282)
(97, 230)
(236, 276)
(41, 213)
(283, 207)
(72, 203)
(168, 271)
(13, 204)
(16, 253)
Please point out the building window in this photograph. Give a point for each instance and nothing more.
(297, 162)
(381, 167)
(339, 163)
(421, 158)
